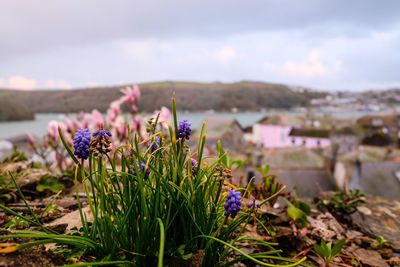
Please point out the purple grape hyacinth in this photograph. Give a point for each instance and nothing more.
(155, 144)
(184, 129)
(101, 141)
(254, 204)
(142, 167)
(101, 133)
(233, 203)
(193, 164)
(82, 143)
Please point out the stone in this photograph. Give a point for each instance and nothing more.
(382, 220)
(326, 227)
(72, 220)
(370, 258)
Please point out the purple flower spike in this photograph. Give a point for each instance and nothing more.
(155, 144)
(82, 143)
(233, 203)
(101, 133)
(101, 141)
(184, 129)
(193, 164)
(142, 168)
(254, 204)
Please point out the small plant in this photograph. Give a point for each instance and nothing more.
(298, 211)
(16, 223)
(343, 202)
(16, 156)
(380, 242)
(327, 252)
(7, 189)
(49, 183)
(269, 186)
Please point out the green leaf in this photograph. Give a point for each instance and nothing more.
(323, 250)
(265, 169)
(222, 154)
(294, 213)
(47, 183)
(69, 150)
(338, 247)
(305, 207)
(318, 249)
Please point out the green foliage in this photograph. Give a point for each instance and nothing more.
(16, 156)
(298, 211)
(50, 210)
(7, 188)
(327, 252)
(343, 202)
(295, 213)
(380, 242)
(16, 223)
(269, 187)
(49, 183)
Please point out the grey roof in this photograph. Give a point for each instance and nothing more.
(296, 157)
(379, 179)
(308, 182)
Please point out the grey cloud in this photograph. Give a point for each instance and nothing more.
(33, 26)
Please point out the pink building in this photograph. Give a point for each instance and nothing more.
(276, 136)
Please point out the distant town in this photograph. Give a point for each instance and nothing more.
(341, 141)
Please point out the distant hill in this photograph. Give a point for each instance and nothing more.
(245, 96)
(11, 110)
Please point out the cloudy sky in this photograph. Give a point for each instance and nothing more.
(346, 45)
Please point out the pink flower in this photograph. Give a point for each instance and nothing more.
(98, 119)
(86, 118)
(66, 163)
(165, 116)
(121, 128)
(136, 124)
(71, 124)
(131, 96)
(52, 130)
(114, 110)
(31, 139)
(64, 130)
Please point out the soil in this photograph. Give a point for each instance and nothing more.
(33, 257)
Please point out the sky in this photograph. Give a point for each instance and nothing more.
(330, 45)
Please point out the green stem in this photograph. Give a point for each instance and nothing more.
(162, 243)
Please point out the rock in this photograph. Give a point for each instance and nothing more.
(370, 258)
(66, 202)
(72, 220)
(30, 176)
(353, 234)
(364, 210)
(383, 219)
(326, 227)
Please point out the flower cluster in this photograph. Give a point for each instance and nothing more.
(82, 143)
(142, 168)
(156, 144)
(184, 129)
(233, 203)
(131, 97)
(254, 204)
(193, 164)
(101, 141)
